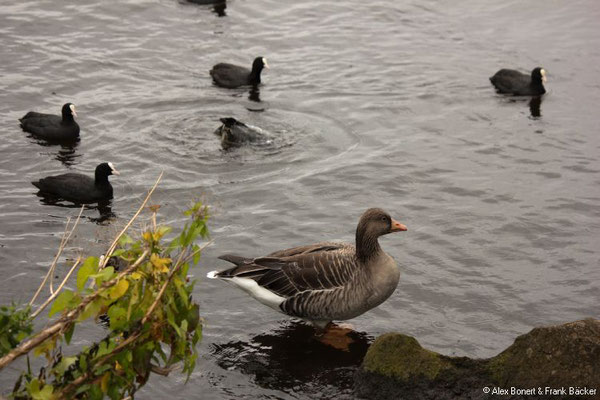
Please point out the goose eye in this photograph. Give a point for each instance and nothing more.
(384, 219)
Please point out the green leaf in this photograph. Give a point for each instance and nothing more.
(175, 243)
(104, 347)
(119, 289)
(92, 309)
(83, 388)
(118, 252)
(124, 240)
(193, 317)
(5, 343)
(103, 276)
(117, 316)
(94, 393)
(83, 362)
(33, 387)
(184, 327)
(163, 230)
(69, 333)
(90, 266)
(61, 302)
(64, 364)
(40, 393)
(141, 362)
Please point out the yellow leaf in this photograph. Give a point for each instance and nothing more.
(136, 276)
(160, 264)
(147, 236)
(45, 347)
(104, 382)
(119, 289)
(118, 366)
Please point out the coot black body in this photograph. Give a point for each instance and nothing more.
(80, 188)
(513, 82)
(232, 76)
(50, 127)
(235, 133)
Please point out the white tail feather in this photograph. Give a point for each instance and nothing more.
(261, 294)
(212, 275)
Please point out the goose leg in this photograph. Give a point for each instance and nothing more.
(336, 336)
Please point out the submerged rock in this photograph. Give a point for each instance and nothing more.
(563, 357)
(235, 133)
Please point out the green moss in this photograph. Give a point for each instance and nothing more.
(402, 357)
(496, 367)
(562, 355)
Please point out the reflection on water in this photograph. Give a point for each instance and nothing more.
(292, 358)
(105, 213)
(66, 153)
(219, 9)
(534, 106)
(254, 94)
(219, 6)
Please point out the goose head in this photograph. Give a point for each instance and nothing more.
(373, 223)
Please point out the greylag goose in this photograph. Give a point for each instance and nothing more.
(326, 281)
(513, 82)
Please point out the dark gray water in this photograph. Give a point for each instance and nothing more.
(379, 103)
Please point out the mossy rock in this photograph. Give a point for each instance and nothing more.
(402, 357)
(562, 355)
(568, 355)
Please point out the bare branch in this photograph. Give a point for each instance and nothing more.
(63, 242)
(114, 243)
(55, 294)
(162, 370)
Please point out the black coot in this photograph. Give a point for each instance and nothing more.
(80, 188)
(233, 76)
(235, 133)
(514, 82)
(52, 127)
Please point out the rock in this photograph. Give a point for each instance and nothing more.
(563, 356)
(402, 357)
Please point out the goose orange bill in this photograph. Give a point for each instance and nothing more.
(397, 226)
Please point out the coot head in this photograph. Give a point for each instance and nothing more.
(104, 170)
(258, 65)
(538, 75)
(229, 122)
(68, 112)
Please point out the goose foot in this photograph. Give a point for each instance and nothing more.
(336, 336)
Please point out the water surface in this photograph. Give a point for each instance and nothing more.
(375, 103)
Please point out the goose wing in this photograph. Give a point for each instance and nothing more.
(289, 272)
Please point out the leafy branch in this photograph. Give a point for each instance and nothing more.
(142, 287)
